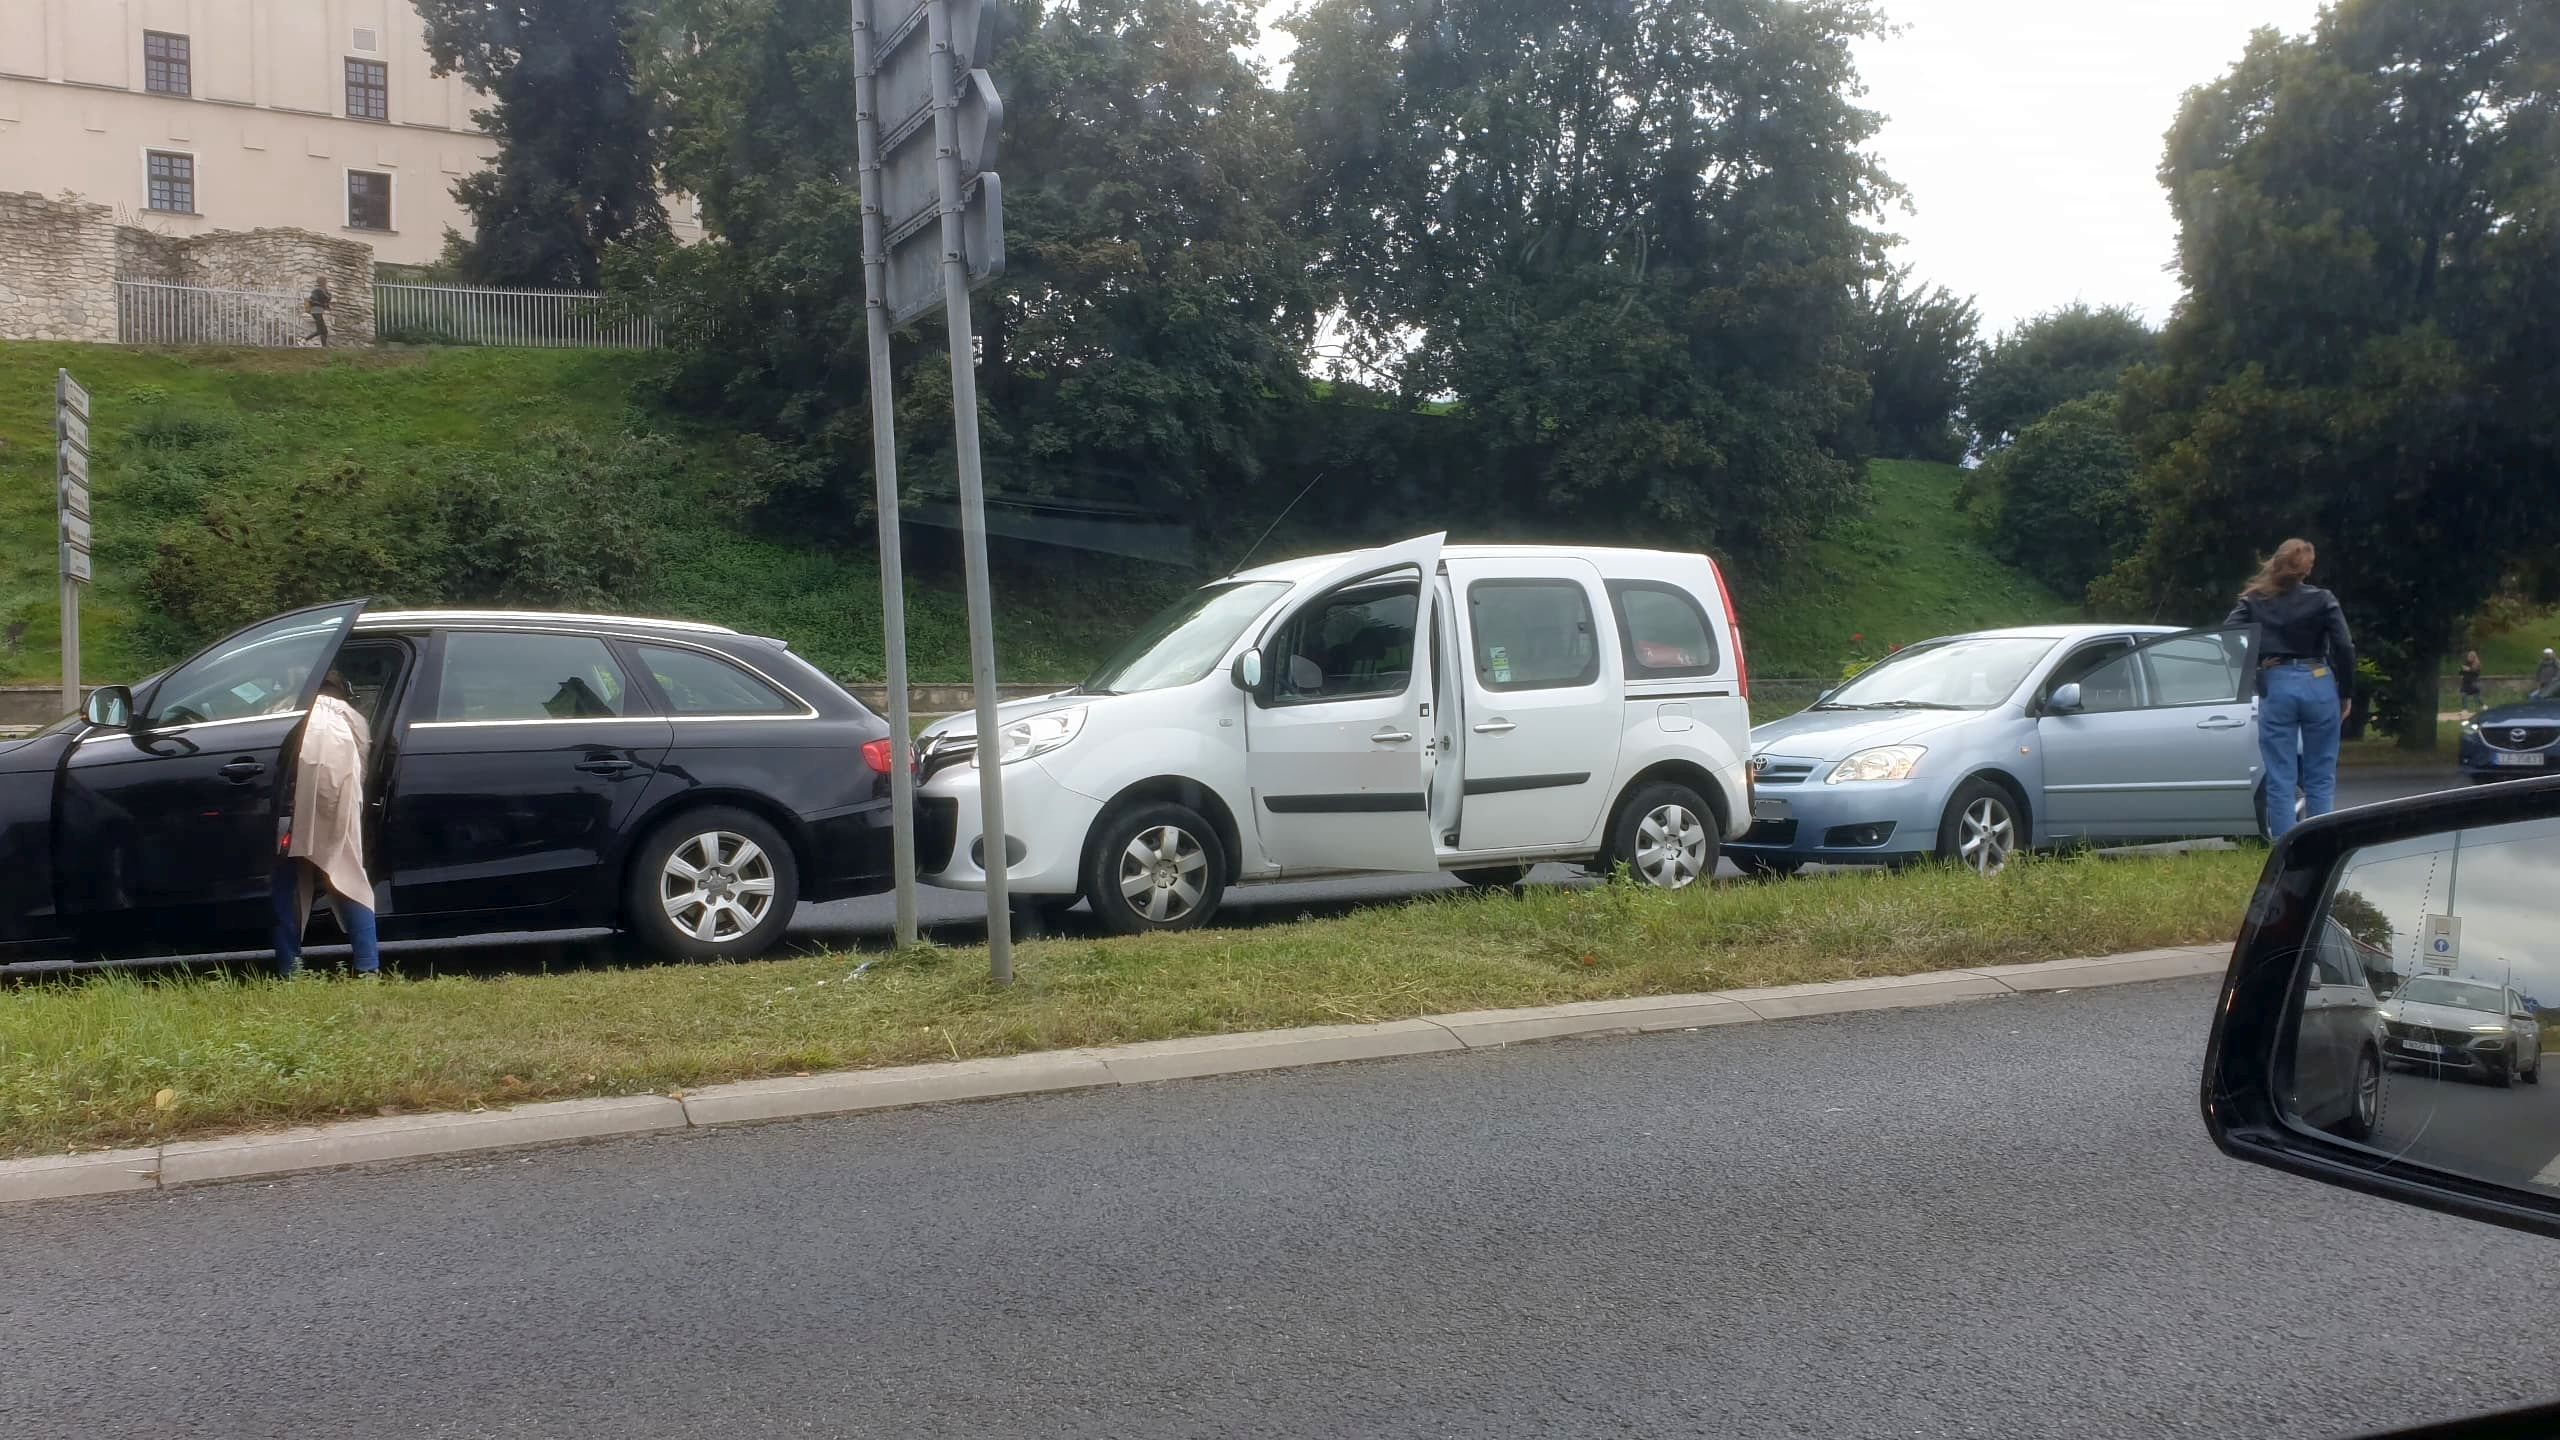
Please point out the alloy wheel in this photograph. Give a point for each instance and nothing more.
(1671, 848)
(717, 887)
(2368, 1094)
(1164, 873)
(1987, 836)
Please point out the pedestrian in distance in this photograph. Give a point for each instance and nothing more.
(2306, 682)
(2546, 676)
(317, 307)
(320, 843)
(2470, 683)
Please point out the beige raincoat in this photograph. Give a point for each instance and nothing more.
(328, 798)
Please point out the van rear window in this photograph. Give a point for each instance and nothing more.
(1663, 631)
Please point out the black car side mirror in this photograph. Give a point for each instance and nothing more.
(110, 707)
(2430, 1100)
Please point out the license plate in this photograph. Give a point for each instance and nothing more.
(2422, 1047)
(1772, 809)
(2533, 758)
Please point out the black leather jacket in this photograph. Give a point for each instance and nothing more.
(2303, 623)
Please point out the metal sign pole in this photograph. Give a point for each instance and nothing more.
(973, 500)
(884, 472)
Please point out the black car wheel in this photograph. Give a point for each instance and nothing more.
(2364, 1117)
(1154, 867)
(2502, 1073)
(714, 883)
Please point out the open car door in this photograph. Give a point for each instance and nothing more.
(1339, 732)
(169, 824)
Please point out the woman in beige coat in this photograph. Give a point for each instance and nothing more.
(322, 841)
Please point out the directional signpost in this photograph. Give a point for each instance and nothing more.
(926, 123)
(71, 504)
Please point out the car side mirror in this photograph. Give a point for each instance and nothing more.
(1248, 671)
(109, 707)
(2065, 700)
(2405, 1108)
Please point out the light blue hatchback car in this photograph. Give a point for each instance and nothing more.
(1972, 747)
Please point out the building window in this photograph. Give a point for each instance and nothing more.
(167, 66)
(368, 200)
(173, 183)
(368, 90)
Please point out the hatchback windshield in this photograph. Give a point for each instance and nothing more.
(1185, 640)
(1972, 674)
(2461, 995)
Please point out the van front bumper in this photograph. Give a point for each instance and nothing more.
(1047, 823)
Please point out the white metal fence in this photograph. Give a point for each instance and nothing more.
(460, 315)
(148, 313)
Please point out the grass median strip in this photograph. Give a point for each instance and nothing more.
(118, 1059)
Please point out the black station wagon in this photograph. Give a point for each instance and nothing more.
(681, 782)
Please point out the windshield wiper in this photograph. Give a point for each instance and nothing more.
(1913, 705)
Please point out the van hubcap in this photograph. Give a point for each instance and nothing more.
(1164, 873)
(1671, 848)
(717, 887)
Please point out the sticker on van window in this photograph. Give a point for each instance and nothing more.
(1498, 659)
(248, 692)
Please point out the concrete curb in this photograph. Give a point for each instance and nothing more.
(410, 1137)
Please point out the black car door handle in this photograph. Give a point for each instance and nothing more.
(241, 772)
(604, 767)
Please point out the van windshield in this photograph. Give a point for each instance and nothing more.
(1181, 644)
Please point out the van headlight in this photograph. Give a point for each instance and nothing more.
(1885, 762)
(1034, 735)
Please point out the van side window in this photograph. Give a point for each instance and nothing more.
(1663, 631)
(1532, 634)
(1355, 642)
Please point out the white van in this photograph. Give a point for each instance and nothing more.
(1419, 707)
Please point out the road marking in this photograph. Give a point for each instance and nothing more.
(2549, 1176)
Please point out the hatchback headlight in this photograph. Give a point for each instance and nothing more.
(1034, 735)
(1885, 762)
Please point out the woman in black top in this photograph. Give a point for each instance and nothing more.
(2470, 683)
(2306, 683)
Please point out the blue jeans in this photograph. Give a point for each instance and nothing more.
(2298, 720)
(293, 914)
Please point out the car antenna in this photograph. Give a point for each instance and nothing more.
(1276, 519)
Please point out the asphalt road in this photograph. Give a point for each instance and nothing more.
(2511, 1136)
(1995, 1219)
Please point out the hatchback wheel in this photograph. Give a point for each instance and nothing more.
(1154, 867)
(2365, 1117)
(1980, 831)
(1666, 837)
(712, 884)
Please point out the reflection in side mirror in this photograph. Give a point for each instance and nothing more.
(2065, 700)
(110, 706)
(1248, 671)
(2379, 1027)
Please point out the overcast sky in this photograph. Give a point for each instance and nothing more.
(2028, 133)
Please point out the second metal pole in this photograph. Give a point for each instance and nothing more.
(884, 471)
(973, 501)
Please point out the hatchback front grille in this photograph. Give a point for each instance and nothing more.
(1766, 771)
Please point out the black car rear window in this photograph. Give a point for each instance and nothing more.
(699, 684)
(507, 676)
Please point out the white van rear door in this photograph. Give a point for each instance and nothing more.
(1543, 710)
(1339, 737)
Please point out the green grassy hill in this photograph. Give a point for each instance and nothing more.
(184, 435)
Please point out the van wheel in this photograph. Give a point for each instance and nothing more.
(712, 884)
(1981, 828)
(1154, 867)
(1495, 877)
(1666, 835)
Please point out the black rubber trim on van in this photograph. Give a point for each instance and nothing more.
(1681, 695)
(1513, 784)
(1366, 803)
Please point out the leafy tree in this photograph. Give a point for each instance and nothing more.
(1920, 353)
(1145, 344)
(576, 171)
(2058, 356)
(2369, 232)
(1625, 235)
(2065, 509)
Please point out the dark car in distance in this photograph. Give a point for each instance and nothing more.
(2513, 742)
(684, 783)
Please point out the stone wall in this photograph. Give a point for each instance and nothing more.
(57, 269)
(60, 261)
